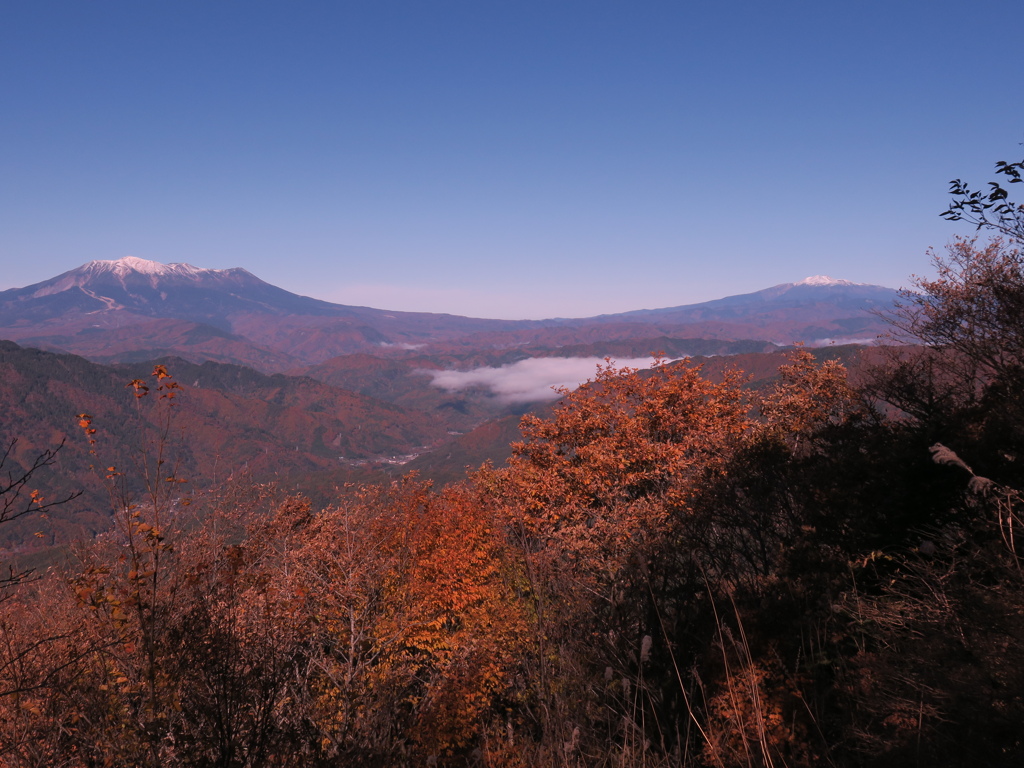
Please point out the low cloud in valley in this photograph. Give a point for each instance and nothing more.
(530, 380)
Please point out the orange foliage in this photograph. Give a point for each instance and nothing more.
(621, 455)
(409, 590)
(807, 397)
(408, 625)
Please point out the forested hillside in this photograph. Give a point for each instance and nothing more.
(674, 569)
(230, 420)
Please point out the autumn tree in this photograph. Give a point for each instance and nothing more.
(934, 615)
(969, 317)
(35, 649)
(974, 307)
(991, 208)
(172, 648)
(19, 498)
(962, 380)
(963, 384)
(621, 455)
(417, 620)
(649, 500)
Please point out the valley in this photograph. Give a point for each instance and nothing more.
(313, 396)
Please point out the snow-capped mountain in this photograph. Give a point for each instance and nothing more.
(83, 309)
(825, 280)
(818, 295)
(133, 265)
(154, 290)
(131, 308)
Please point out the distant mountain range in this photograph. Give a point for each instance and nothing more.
(119, 310)
(311, 394)
(132, 309)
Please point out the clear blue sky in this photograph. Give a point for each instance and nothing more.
(503, 158)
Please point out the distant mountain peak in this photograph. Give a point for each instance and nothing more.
(129, 264)
(134, 270)
(825, 280)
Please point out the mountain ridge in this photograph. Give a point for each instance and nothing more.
(112, 310)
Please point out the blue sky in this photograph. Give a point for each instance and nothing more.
(500, 158)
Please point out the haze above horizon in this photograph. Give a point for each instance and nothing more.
(506, 160)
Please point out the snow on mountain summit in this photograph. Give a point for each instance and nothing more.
(128, 264)
(825, 280)
(131, 269)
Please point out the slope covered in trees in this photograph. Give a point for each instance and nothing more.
(231, 420)
(673, 569)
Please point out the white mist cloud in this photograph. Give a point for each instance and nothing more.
(530, 380)
(401, 345)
